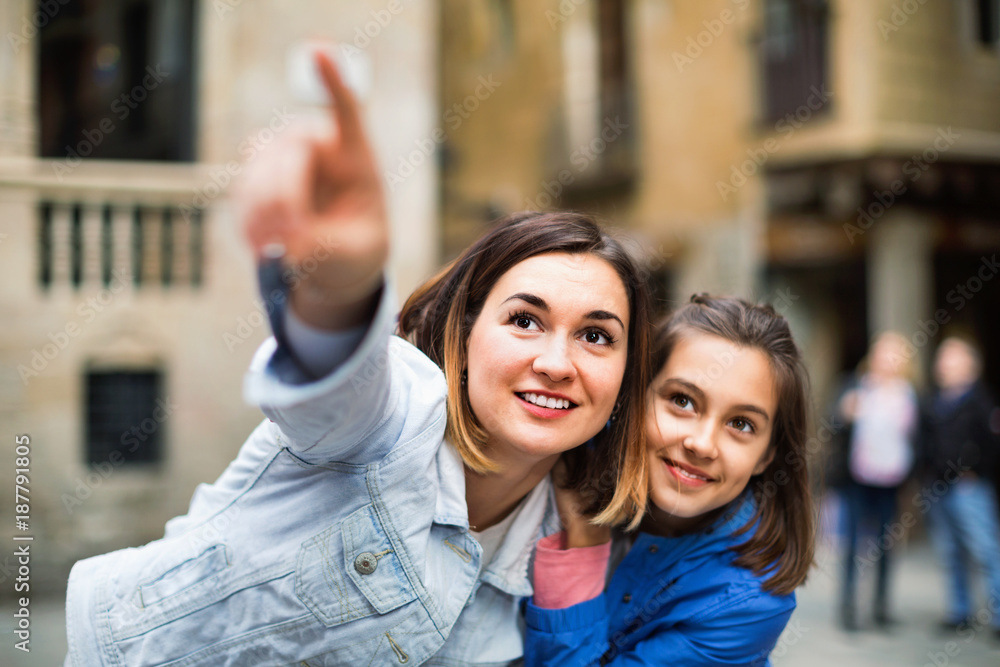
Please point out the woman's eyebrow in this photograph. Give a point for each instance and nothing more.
(604, 315)
(540, 303)
(536, 301)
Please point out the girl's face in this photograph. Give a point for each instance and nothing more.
(547, 354)
(710, 414)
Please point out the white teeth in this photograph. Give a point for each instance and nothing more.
(547, 401)
(687, 474)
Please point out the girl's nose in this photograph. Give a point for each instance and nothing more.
(701, 443)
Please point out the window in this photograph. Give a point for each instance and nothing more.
(125, 417)
(793, 54)
(115, 80)
(597, 95)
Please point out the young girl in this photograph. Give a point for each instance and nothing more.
(728, 532)
(385, 511)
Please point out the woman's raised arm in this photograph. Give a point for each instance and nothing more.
(317, 196)
(314, 202)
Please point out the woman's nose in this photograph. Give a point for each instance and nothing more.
(554, 361)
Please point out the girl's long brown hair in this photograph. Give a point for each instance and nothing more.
(782, 545)
(439, 315)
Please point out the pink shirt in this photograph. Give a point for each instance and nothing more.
(565, 577)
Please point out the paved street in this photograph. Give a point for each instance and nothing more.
(813, 638)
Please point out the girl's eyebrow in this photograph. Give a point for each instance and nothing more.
(692, 389)
(747, 407)
(539, 302)
(698, 394)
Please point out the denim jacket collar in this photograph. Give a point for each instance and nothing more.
(508, 571)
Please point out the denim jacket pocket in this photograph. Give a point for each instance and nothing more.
(358, 547)
(183, 576)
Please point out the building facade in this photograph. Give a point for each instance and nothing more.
(130, 309)
(838, 158)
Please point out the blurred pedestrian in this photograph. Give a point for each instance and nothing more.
(959, 446)
(879, 410)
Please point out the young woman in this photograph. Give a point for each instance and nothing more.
(728, 532)
(385, 511)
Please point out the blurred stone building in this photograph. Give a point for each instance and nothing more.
(129, 304)
(840, 158)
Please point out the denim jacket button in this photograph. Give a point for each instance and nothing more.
(366, 562)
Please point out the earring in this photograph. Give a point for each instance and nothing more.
(614, 411)
(465, 377)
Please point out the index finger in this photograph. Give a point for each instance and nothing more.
(345, 106)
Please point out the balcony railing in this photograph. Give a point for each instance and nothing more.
(142, 224)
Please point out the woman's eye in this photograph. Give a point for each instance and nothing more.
(742, 425)
(523, 321)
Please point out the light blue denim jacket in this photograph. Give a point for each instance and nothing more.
(338, 536)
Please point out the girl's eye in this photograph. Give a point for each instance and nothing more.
(743, 425)
(682, 401)
(598, 337)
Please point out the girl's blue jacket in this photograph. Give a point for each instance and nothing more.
(670, 601)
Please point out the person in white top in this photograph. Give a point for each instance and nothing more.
(880, 408)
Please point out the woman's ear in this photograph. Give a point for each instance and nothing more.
(764, 462)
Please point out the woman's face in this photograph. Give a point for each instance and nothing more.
(710, 414)
(547, 354)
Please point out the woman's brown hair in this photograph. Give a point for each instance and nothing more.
(782, 545)
(439, 315)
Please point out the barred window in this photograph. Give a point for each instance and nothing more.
(793, 54)
(126, 416)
